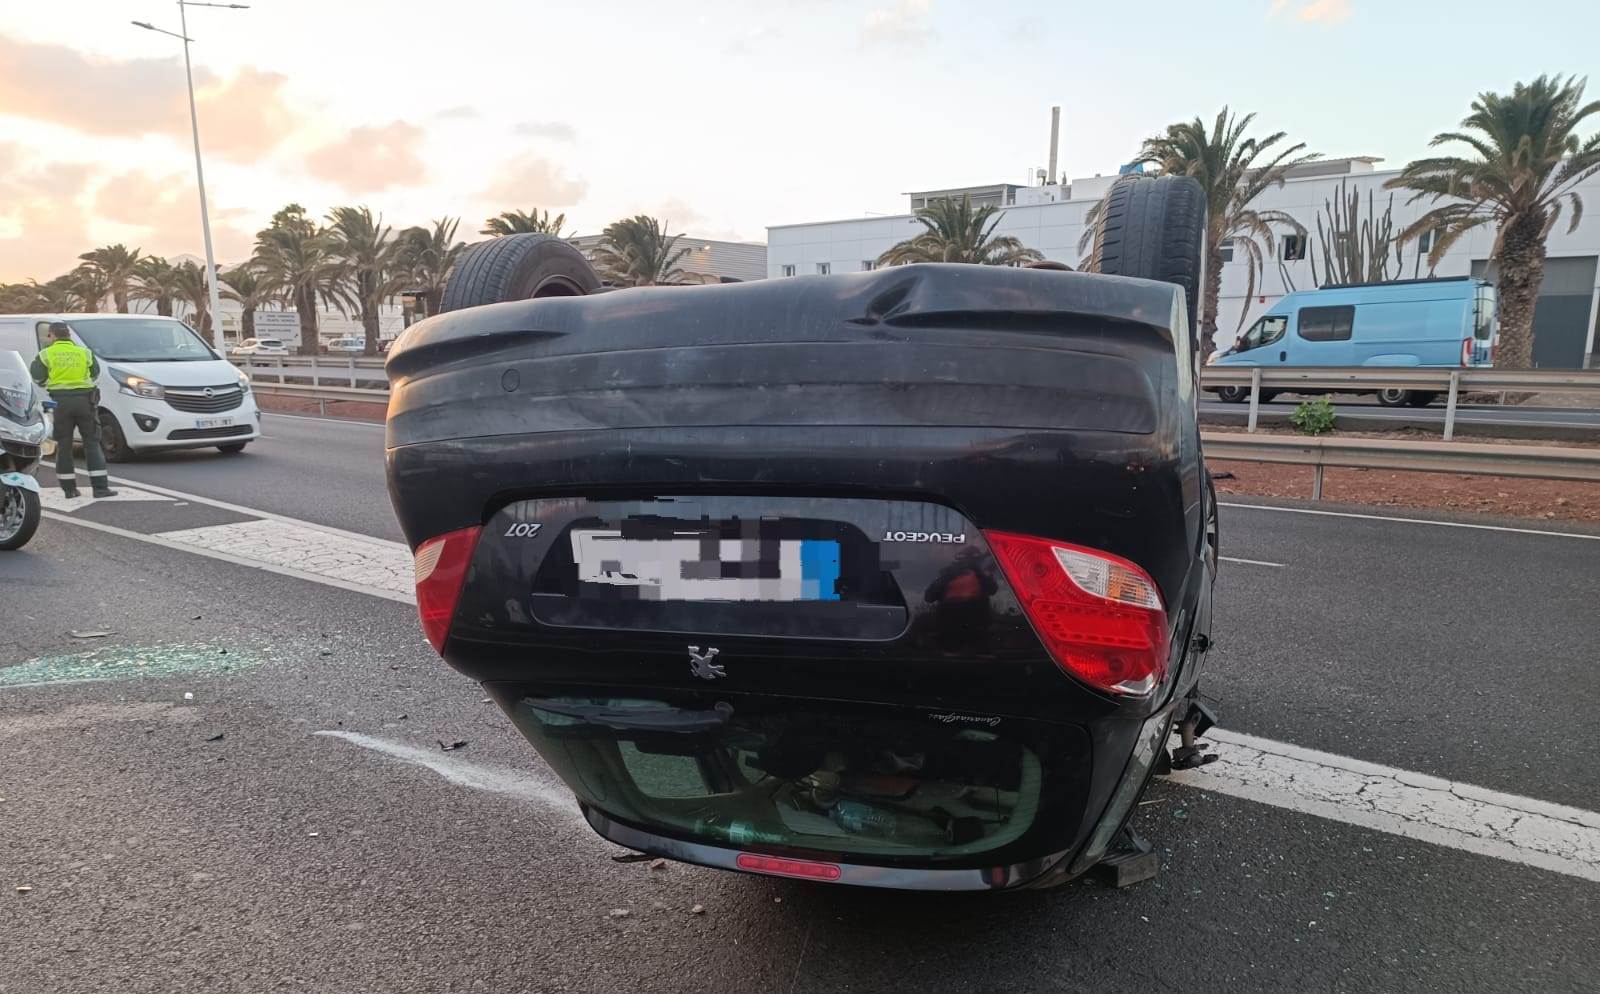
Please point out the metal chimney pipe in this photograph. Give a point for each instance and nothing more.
(1055, 139)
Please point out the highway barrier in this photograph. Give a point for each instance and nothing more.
(1369, 379)
(1543, 462)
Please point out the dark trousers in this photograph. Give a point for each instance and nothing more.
(76, 412)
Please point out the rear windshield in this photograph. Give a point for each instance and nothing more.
(1486, 317)
(141, 340)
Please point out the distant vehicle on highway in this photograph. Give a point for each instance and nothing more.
(918, 608)
(161, 386)
(347, 346)
(260, 346)
(1448, 322)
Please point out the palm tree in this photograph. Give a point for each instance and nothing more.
(59, 296)
(194, 291)
(426, 257)
(637, 251)
(156, 279)
(19, 298)
(296, 260)
(1234, 171)
(118, 265)
(954, 232)
(244, 285)
(517, 222)
(366, 250)
(91, 285)
(1529, 157)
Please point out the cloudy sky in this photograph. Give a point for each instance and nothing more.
(723, 116)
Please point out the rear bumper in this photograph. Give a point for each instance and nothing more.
(857, 875)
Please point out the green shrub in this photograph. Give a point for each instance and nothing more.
(1314, 417)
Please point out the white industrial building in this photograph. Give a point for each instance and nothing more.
(1049, 218)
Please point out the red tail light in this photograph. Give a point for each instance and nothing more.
(1099, 615)
(805, 869)
(441, 566)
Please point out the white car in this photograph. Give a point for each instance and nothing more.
(161, 386)
(347, 346)
(260, 346)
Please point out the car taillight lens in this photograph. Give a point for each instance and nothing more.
(441, 567)
(1099, 615)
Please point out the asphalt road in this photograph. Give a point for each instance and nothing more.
(162, 857)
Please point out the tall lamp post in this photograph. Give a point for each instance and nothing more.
(199, 170)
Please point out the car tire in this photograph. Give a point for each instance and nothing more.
(1422, 398)
(1395, 397)
(30, 519)
(1154, 228)
(232, 448)
(1233, 395)
(113, 443)
(517, 267)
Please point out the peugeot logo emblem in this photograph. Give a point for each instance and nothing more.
(209, 392)
(701, 665)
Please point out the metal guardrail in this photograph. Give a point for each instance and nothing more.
(1543, 462)
(348, 371)
(1359, 379)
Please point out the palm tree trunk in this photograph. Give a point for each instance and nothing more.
(247, 323)
(305, 301)
(120, 295)
(369, 323)
(1210, 295)
(1520, 263)
(164, 306)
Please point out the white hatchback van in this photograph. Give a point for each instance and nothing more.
(161, 386)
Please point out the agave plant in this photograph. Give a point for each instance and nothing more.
(955, 232)
(637, 251)
(1526, 161)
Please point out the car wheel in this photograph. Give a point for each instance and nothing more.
(1154, 228)
(232, 448)
(19, 517)
(1233, 395)
(1394, 398)
(1422, 398)
(113, 444)
(517, 267)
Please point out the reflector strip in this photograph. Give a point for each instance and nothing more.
(778, 866)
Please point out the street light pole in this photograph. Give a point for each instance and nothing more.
(215, 299)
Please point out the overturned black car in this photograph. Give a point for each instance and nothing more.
(900, 578)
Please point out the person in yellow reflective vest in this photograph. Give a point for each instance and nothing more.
(68, 372)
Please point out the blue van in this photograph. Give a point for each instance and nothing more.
(1434, 322)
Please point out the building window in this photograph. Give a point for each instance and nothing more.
(787, 270)
(1294, 248)
(1426, 241)
(1327, 324)
(824, 268)
(868, 265)
(1225, 249)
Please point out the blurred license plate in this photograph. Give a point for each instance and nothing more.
(212, 422)
(694, 566)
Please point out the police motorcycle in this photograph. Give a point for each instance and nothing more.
(25, 436)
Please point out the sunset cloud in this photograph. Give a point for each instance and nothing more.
(903, 23)
(1312, 11)
(371, 158)
(533, 180)
(241, 117)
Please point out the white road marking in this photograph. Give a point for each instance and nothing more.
(474, 776)
(1249, 562)
(365, 562)
(255, 512)
(1408, 521)
(53, 499)
(386, 592)
(1414, 805)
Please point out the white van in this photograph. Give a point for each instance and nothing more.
(161, 386)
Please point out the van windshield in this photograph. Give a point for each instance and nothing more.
(153, 339)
